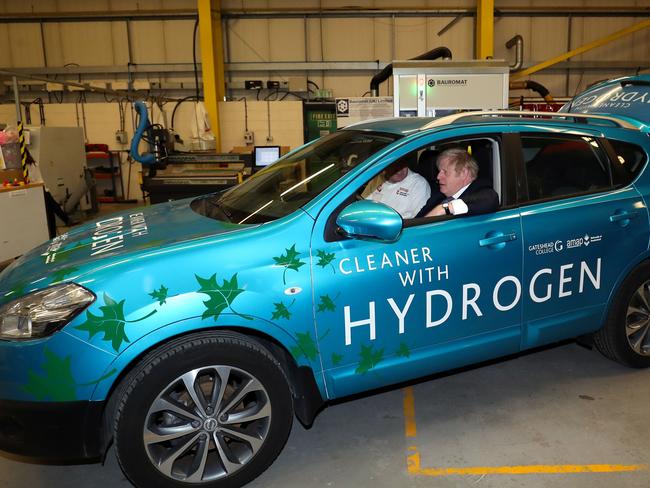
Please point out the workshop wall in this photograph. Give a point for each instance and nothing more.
(102, 120)
(382, 39)
(284, 126)
(386, 39)
(331, 39)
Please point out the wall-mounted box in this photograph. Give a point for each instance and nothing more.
(119, 85)
(141, 85)
(53, 87)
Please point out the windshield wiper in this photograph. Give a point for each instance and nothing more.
(222, 208)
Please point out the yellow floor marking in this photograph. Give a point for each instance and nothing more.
(409, 412)
(413, 460)
(414, 467)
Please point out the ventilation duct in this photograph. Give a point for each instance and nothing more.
(384, 74)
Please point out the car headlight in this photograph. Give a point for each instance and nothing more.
(43, 312)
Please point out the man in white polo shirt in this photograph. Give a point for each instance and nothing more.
(403, 190)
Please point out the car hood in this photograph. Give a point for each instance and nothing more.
(108, 239)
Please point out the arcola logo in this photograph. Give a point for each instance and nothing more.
(440, 304)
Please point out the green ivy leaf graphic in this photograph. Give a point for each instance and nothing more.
(403, 350)
(306, 347)
(368, 358)
(326, 304)
(111, 323)
(17, 291)
(149, 244)
(325, 258)
(160, 295)
(66, 253)
(57, 384)
(336, 359)
(281, 311)
(221, 296)
(60, 274)
(289, 260)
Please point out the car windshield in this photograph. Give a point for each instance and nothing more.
(293, 180)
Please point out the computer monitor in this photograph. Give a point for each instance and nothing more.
(265, 155)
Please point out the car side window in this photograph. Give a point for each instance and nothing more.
(559, 166)
(485, 148)
(422, 163)
(630, 160)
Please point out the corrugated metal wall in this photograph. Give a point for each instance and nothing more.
(382, 38)
(367, 37)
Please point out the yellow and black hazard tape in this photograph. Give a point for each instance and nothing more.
(23, 152)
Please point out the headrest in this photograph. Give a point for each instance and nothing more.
(427, 167)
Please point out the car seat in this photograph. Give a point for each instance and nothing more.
(481, 151)
(427, 167)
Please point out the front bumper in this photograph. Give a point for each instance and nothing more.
(56, 431)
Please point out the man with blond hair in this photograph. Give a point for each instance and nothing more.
(461, 193)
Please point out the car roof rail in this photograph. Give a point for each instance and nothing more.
(565, 116)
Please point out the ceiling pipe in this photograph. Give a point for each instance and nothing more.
(384, 74)
(317, 12)
(584, 48)
(518, 43)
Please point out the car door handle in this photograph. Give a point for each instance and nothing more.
(496, 238)
(623, 215)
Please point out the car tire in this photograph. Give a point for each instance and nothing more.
(223, 434)
(625, 337)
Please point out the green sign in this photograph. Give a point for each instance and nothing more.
(320, 123)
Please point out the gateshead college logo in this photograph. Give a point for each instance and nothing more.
(560, 245)
(546, 247)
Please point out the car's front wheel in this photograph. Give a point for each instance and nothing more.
(625, 337)
(211, 410)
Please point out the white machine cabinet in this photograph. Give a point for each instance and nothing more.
(434, 88)
(23, 223)
(61, 156)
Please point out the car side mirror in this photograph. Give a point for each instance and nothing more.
(370, 220)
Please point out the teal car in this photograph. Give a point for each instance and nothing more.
(189, 334)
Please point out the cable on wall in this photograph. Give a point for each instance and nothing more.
(196, 68)
(178, 103)
(269, 137)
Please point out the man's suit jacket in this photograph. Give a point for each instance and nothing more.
(479, 197)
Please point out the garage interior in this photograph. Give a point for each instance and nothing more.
(230, 83)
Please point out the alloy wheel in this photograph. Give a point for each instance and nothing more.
(207, 424)
(637, 321)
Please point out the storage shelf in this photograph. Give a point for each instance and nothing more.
(98, 157)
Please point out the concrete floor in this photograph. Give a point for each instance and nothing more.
(566, 407)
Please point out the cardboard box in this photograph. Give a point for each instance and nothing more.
(11, 156)
(242, 150)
